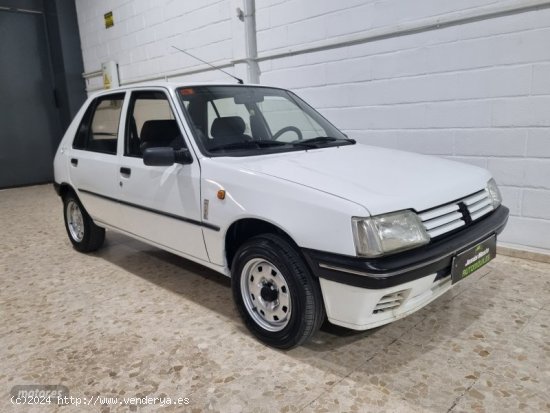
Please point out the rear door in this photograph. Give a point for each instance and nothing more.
(160, 204)
(94, 164)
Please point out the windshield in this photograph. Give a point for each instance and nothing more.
(248, 120)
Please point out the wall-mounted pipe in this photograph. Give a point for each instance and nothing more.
(496, 10)
(253, 69)
(500, 9)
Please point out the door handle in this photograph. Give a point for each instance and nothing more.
(74, 162)
(125, 171)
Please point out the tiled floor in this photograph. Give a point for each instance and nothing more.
(132, 320)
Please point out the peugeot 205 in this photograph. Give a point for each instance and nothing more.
(252, 182)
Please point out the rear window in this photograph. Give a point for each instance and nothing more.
(98, 130)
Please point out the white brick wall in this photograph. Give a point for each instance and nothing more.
(144, 31)
(477, 92)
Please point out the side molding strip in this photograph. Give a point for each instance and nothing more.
(154, 211)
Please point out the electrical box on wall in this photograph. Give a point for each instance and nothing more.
(110, 75)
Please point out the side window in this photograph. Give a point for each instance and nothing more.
(280, 113)
(226, 107)
(150, 124)
(98, 130)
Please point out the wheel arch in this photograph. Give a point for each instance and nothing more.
(64, 188)
(245, 228)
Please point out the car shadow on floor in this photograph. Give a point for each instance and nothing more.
(193, 281)
(212, 290)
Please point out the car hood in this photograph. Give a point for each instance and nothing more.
(381, 180)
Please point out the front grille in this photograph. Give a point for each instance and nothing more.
(449, 217)
(478, 204)
(390, 301)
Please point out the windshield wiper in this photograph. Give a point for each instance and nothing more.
(320, 140)
(253, 144)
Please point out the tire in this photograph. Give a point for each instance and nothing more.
(83, 233)
(277, 297)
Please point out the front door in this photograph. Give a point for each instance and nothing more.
(160, 204)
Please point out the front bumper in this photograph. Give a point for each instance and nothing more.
(355, 290)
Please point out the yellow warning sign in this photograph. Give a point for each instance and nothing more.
(109, 22)
(106, 81)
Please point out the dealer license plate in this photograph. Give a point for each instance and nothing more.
(473, 259)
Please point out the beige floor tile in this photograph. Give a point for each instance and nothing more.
(493, 393)
(132, 320)
(351, 396)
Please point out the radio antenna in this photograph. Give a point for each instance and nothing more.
(209, 64)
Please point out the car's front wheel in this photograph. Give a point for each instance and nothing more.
(83, 233)
(278, 299)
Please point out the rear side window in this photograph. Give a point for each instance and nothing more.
(98, 130)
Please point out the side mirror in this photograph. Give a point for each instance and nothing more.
(166, 156)
(183, 156)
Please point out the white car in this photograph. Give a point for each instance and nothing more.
(254, 183)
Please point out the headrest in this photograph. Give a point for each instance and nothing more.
(228, 126)
(159, 131)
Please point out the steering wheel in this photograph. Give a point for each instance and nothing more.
(286, 129)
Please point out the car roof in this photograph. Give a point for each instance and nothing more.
(174, 85)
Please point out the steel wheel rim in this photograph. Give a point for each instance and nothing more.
(75, 221)
(266, 294)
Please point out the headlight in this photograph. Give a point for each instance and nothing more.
(494, 193)
(378, 235)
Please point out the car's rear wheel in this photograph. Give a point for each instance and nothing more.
(278, 299)
(83, 233)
